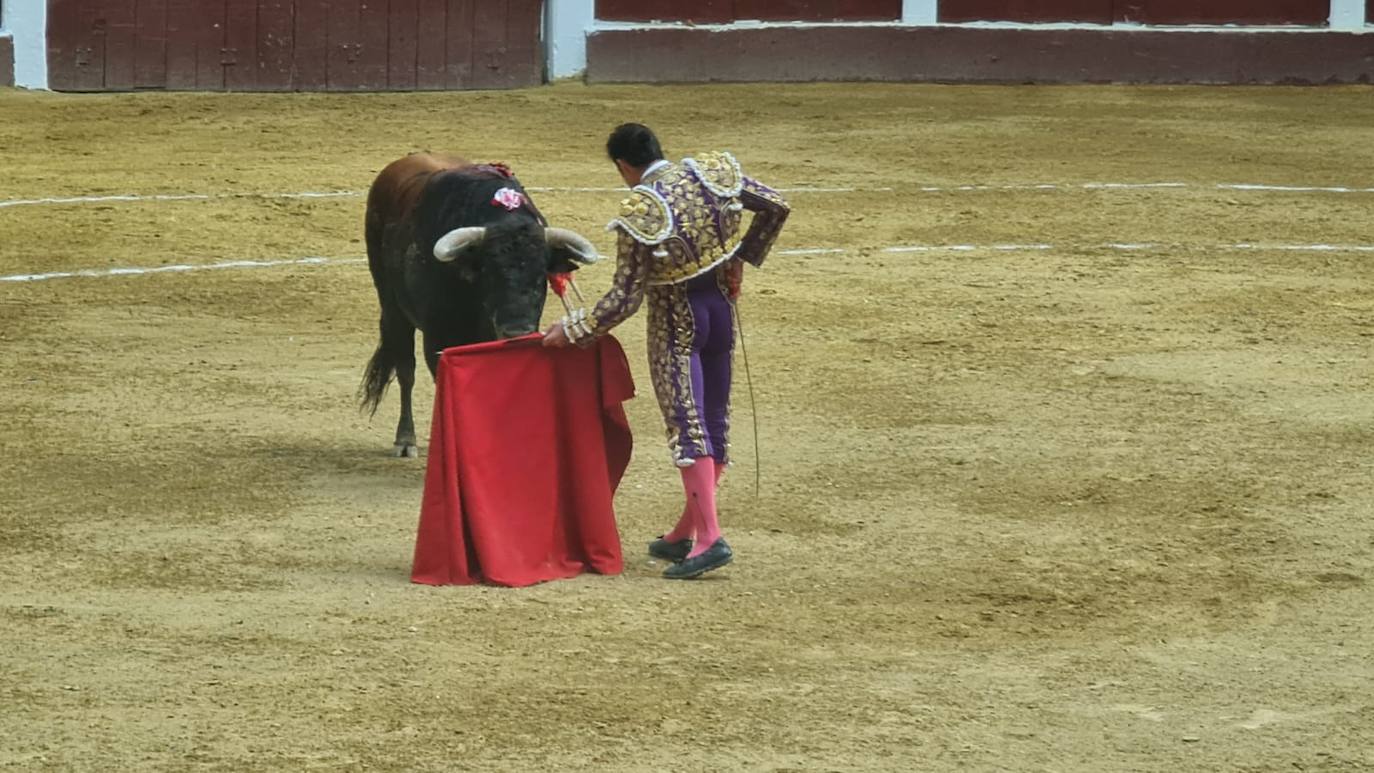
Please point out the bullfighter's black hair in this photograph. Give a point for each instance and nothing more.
(635, 144)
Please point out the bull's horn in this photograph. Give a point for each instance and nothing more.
(582, 250)
(453, 242)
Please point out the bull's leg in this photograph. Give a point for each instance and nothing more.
(432, 349)
(400, 336)
(405, 428)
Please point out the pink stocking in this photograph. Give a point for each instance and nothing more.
(699, 482)
(686, 523)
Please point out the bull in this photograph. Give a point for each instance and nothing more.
(458, 251)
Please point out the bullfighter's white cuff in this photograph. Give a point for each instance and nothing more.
(575, 326)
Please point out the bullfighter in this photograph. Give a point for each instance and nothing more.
(679, 246)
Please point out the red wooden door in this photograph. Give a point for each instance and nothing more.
(303, 45)
(193, 51)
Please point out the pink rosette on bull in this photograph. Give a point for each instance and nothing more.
(509, 198)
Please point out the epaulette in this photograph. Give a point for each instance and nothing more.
(719, 172)
(645, 216)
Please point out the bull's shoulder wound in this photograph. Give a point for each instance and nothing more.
(644, 215)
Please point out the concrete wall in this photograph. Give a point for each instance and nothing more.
(25, 25)
(566, 26)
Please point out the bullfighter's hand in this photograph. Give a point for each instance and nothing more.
(555, 336)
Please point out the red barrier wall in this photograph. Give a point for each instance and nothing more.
(1302, 12)
(1031, 11)
(979, 55)
(725, 11)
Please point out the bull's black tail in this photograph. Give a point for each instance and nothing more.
(376, 378)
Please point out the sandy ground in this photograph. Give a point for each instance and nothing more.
(1065, 508)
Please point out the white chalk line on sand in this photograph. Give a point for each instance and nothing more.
(1090, 186)
(174, 197)
(1114, 246)
(900, 249)
(129, 197)
(181, 267)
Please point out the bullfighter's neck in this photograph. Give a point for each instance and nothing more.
(654, 171)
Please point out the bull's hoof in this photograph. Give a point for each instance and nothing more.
(405, 451)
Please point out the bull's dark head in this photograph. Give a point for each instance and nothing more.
(509, 262)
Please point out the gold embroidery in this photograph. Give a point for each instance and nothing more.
(770, 212)
(645, 216)
(764, 192)
(719, 172)
(682, 222)
(670, 333)
(627, 286)
(691, 225)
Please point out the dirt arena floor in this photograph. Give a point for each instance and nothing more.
(1089, 492)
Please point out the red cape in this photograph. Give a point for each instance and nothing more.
(526, 449)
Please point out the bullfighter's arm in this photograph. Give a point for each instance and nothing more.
(770, 212)
(627, 287)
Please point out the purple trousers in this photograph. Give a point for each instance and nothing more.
(691, 348)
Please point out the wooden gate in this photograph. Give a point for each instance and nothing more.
(293, 45)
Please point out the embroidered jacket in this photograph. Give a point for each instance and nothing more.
(681, 221)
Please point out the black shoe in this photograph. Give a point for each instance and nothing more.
(716, 556)
(670, 551)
